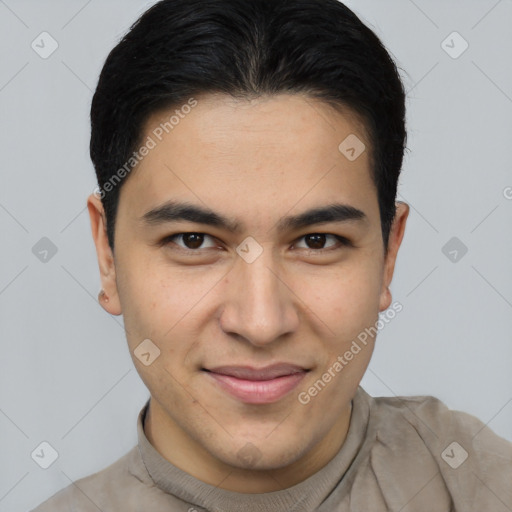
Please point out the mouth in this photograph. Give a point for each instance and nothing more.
(257, 385)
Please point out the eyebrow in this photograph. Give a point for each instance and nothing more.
(173, 211)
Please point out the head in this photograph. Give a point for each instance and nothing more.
(247, 154)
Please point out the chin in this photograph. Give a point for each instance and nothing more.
(261, 455)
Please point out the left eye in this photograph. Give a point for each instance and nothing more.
(317, 241)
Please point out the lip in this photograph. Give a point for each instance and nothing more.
(257, 385)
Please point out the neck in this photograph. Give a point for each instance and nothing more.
(177, 447)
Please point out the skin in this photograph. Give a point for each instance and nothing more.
(254, 162)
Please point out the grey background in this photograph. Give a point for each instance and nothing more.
(66, 376)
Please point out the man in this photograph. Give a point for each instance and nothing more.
(247, 155)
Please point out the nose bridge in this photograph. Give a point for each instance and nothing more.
(259, 306)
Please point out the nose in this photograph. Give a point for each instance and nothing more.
(259, 305)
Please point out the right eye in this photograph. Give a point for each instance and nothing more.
(188, 241)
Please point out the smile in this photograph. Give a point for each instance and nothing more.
(257, 386)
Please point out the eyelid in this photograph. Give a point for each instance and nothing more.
(342, 242)
(169, 239)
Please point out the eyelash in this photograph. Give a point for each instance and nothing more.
(343, 242)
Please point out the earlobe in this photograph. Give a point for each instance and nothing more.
(385, 299)
(102, 296)
(108, 297)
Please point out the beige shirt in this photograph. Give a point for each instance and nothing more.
(401, 454)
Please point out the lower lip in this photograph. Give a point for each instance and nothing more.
(258, 391)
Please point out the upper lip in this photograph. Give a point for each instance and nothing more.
(265, 373)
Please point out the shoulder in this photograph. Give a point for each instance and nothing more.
(474, 463)
(435, 423)
(100, 490)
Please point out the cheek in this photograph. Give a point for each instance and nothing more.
(345, 299)
(148, 305)
(161, 303)
(151, 296)
(160, 306)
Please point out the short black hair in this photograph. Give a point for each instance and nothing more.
(246, 49)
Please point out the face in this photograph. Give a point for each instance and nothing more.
(248, 249)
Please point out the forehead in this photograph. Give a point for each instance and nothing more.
(271, 152)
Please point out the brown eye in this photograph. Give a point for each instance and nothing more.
(315, 240)
(191, 241)
(322, 242)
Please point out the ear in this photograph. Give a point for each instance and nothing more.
(396, 235)
(104, 254)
